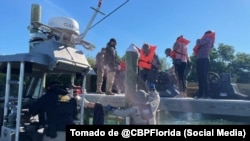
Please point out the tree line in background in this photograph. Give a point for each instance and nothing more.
(223, 59)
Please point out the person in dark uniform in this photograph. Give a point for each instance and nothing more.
(111, 65)
(56, 109)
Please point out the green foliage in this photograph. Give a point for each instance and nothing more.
(91, 61)
(226, 52)
(163, 64)
(224, 60)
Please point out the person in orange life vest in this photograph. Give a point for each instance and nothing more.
(149, 66)
(205, 45)
(196, 47)
(169, 53)
(180, 62)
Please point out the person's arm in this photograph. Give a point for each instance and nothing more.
(124, 112)
(154, 99)
(176, 46)
(89, 104)
(203, 41)
(137, 48)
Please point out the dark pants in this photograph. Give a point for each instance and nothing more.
(181, 78)
(147, 77)
(202, 67)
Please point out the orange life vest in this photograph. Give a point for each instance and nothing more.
(122, 65)
(210, 35)
(195, 49)
(172, 54)
(146, 61)
(183, 40)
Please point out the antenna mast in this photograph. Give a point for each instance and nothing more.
(97, 10)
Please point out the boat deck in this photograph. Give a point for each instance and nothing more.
(187, 104)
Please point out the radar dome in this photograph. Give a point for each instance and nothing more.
(65, 23)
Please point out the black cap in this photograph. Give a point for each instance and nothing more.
(209, 31)
(112, 40)
(167, 51)
(179, 37)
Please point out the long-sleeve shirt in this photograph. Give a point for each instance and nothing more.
(180, 50)
(205, 45)
(111, 58)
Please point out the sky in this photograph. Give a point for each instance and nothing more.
(157, 22)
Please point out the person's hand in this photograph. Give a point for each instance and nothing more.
(151, 86)
(110, 108)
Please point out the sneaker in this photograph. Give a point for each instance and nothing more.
(99, 92)
(109, 93)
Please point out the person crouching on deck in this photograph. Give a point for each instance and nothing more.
(143, 107)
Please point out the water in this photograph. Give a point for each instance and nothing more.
(177, 118)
